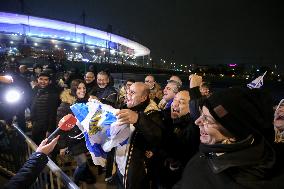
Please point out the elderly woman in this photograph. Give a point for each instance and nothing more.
(236, 135)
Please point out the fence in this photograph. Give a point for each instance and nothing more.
(15, 148)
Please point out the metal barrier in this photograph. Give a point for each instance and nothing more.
(11, 160)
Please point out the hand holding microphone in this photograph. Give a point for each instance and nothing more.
(65, 124)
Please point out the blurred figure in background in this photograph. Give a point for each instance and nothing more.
(176, 78)
(91, 83)
(37, 69)
(205, 89)
(156, 93)
(170, 90)
(123, 92)
(25, 73)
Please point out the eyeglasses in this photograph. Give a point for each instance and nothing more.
(207, 119)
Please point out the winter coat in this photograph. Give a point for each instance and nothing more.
(248, 164)
(75, 146)
(107, 95)
(43, 112)
(184, 140)
(147, 135)
(91, 87)
(28, 174)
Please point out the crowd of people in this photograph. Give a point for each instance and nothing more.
(180, 137)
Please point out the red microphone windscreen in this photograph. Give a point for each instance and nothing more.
(67, 122)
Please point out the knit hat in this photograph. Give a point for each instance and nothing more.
(243, 112)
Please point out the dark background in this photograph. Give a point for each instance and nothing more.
(185, 31)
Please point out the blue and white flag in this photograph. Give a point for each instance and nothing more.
(99, 126)
(257, 83)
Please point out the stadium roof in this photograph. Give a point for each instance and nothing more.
(12, 18)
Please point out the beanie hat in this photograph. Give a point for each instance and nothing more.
(242, 112)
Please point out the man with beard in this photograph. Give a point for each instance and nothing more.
(43, 109)
(104, 92)
(145, 122)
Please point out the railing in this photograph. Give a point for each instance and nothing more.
(11, 160)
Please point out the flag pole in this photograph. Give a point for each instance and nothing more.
(260, 78)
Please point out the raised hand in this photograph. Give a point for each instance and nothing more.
(47, 148)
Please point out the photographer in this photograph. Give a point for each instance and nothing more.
(15, 95)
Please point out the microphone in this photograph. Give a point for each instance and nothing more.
(66, 123)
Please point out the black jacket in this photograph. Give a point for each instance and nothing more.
(43, 112)
(27, 175)
(91, 87)
(248, 164)
(107, 95)
(147, 135)
(184, 141)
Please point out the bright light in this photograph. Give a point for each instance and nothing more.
(56, 46)
(85, 60)
(12, 96)
(75, 48)
(257, 70)
(112, 51)
(12, 42)
(35, 44)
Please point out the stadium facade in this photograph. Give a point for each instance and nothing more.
(40, 37)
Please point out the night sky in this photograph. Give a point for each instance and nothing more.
(185, 31)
